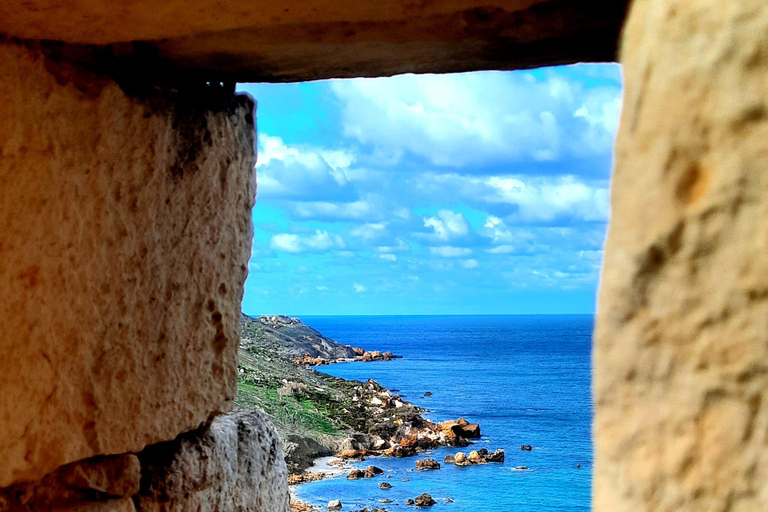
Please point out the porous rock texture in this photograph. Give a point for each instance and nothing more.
(237, 464)
(681, 355)
(126, 232)
(234, 464)
(264, 40)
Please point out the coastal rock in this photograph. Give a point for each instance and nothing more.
(471, 431)
(352, 454)
(460, 459)
(385, 500)
(483, 452)
(385, 485)
(476, 458)
(409, 501)
(355, 474)
(497, 456)
(381, 444)
(358, 351)
(372, 471)
(424, 464)
(425, 500)
(526, 447)
(334, 505)
(462, 422)
(449, 459)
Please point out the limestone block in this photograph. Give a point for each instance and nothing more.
(121, 505)
(125, 233)
(83, 484)
(236, 464)
(264, 40)
(681, 354)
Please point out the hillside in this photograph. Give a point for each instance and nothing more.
(314, 413)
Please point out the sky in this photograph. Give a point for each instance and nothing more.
(476, 193)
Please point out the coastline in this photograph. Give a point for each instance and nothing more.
(326, 422)
(404, 443)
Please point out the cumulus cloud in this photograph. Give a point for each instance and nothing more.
(359, 288)
(470, 263)
(389, 257)
(532, 198)
(301, 172)
(524, 116)
(320, 241)
(447, 224)
(447, 251)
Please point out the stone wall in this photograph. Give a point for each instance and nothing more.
(681, 354)
(126, 232)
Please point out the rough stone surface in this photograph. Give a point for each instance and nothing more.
(126, 232)
(237, 464)
(681, 357)
(248, 40)
(79, 484)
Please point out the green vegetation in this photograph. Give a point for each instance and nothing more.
(293, 412)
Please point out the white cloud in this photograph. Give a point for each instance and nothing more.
(359, 288)
(400, 247)
(501, 249)
(358, 210)
(389, 257)
(447, 251)
(301, 172)
(369, 230)
(322, 288)
(345, 254)
(539, 115)
(471, 263)
(536, 198)
(320, 241)
(447, 225)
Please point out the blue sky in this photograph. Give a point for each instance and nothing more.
(477, 193)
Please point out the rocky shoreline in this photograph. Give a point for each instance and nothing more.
(319, 416)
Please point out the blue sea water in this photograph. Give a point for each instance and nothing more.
(524, 379)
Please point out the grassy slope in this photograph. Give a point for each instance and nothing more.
(318, 408)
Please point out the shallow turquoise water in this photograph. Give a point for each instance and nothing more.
(525, 379)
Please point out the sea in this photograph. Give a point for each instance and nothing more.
(524, 379)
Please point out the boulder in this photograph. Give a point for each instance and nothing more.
(409, 501)
(497, 456)
(449, 459)
(526, 447)
(358, 351)
(355, 474)
(372, 471)
(334, 505)
(476, 458)
(425, 500)
(385, 485)
(471, 431)
(424, 464)
(460, 459)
